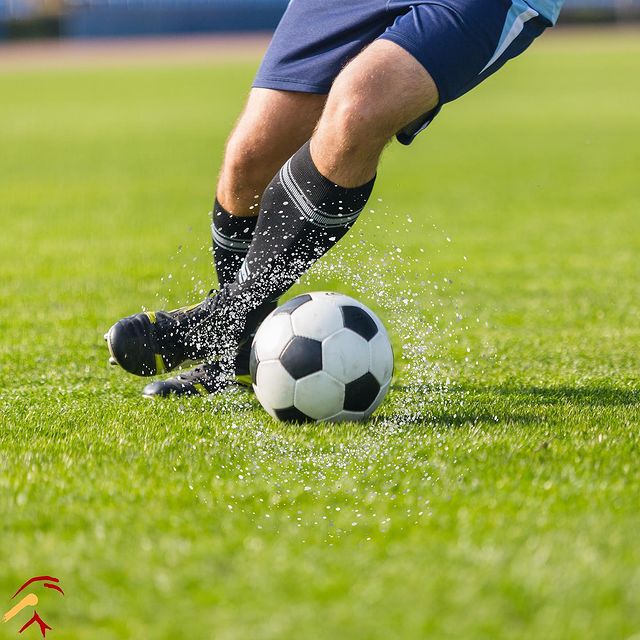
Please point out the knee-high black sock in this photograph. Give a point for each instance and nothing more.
(231, 237)
(302, 215)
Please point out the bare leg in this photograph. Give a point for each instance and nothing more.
(379, 92)
(273, 125)
(308, 207)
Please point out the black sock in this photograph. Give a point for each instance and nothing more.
(231, 237)
(302, 215)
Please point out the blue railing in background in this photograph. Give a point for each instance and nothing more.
(113, 18)
(147, 17)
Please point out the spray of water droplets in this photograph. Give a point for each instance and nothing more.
(422, 309)
(424, 313)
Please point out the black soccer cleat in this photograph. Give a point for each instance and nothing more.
(151, 343)
(203, 380)
(206, 379)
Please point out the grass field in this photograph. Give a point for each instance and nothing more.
(496, 494)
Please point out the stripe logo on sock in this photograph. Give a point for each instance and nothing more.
(239, 245)
(243, 273)
(313, 214)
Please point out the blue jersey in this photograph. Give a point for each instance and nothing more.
(549, 9)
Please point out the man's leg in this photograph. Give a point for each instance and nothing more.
(272, 126)
(304, 211)
(318, 194)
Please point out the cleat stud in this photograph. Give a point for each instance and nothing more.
(112, 362)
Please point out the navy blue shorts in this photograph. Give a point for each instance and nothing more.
(459, 42)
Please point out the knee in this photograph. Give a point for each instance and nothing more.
(241, 159)
(243, 177)
(355, 116)
(377, 94)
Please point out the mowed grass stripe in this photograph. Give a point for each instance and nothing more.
(506, 508)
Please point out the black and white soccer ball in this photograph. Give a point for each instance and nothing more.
(321, 356)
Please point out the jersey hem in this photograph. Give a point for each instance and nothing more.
(411, 48)
(289, 84)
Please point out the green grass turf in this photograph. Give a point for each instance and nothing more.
(501, 505)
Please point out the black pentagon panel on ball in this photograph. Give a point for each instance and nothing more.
(253, 364)
(291, 415)
(359, 321)
(360, 394)
(291, 305)
(302, 357)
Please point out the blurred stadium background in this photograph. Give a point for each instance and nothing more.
(20, 19)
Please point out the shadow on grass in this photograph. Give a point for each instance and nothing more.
(518, 405)
(588, 396)
(462, 406)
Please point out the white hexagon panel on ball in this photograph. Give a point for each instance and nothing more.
(345, 355)
(274, 386)
(319, 396)
(272, 336)
(317, 321)
(381, 358)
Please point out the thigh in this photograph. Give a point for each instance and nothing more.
(462, 42)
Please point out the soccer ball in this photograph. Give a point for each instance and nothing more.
(321, 356)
